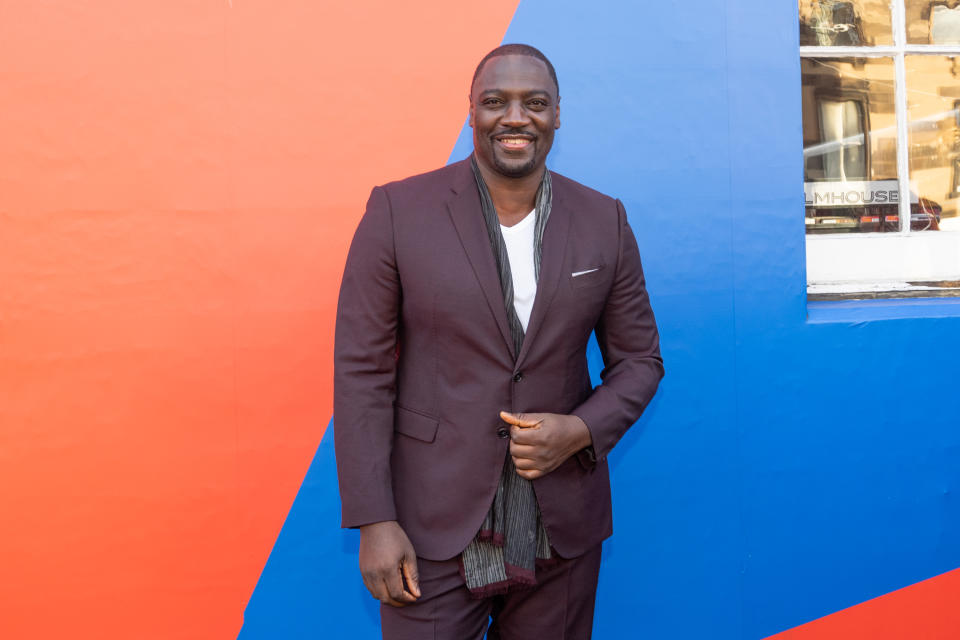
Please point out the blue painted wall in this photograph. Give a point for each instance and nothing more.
(789, 466)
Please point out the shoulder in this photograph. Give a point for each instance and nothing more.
(425, 186)
(589, 205)
(580, 194)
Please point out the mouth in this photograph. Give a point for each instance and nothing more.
(514, 142)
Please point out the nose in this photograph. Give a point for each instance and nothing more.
(515, 115)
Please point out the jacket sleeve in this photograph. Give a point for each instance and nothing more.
(630, 345)
(364, 380)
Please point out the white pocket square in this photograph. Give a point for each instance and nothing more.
(580, 273)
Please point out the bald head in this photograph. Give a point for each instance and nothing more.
(517, 50)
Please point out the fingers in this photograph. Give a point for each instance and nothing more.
(527, 458)
(389, 593)
(525, 435)
(397, 593)
(387, 559)
(525, 420)
(520, 450)
(377, 587)
(372, 585)
(531, 473)
(411, 576)
(524, 464)
(389, 589)
(528, 468)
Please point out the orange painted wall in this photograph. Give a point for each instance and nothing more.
(926, 610)
(178, 184)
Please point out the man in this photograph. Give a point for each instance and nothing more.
(471, 447)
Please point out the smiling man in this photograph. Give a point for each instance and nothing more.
(471, 445)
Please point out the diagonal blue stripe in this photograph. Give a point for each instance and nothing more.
(781, 473)
(310, 586)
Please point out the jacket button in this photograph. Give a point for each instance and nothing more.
(503, 433)
(518, 377)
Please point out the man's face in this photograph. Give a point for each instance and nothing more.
(514, 110)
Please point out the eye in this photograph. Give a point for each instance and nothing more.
(538, 103)
(491, 102)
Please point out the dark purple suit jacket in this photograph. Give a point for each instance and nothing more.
(424, 361)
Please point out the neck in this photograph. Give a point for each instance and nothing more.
(513, 198)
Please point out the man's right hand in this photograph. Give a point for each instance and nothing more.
(387, 559)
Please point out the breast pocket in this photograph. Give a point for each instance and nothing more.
(588, 277)
(414, 424)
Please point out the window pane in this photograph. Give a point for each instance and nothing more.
(933, 21)
(849, 145)
(838, 23)
(933, 100)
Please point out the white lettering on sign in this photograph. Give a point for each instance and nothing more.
(852, 193)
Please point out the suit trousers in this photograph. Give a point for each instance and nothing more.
(560, 607)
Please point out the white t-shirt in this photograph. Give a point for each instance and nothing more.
(519, 242)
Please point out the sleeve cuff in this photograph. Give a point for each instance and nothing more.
(587, 458)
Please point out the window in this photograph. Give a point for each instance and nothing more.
(881, 147)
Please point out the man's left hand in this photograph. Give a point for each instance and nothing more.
(540, 442)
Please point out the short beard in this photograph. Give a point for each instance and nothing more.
(514, 171)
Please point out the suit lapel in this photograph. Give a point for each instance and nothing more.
(467, 216)
(551, 266)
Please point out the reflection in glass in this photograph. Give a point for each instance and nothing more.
(843, 120)
(845, 23)
(933, 103)
(849, 145)
(933, 21)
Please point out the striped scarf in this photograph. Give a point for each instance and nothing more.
(512, 537)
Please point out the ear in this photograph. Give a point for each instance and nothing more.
(556, 115)
(470, 112)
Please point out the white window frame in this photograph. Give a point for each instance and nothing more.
(884, 261)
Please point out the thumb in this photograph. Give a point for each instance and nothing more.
(411, 575)
(521, 419)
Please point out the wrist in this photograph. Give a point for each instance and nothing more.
(376, 525)
(583, 437)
